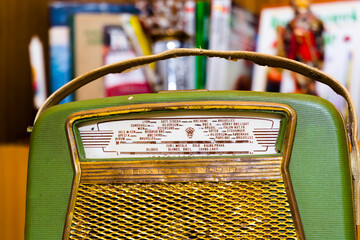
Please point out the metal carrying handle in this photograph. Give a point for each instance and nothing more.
(258, 58)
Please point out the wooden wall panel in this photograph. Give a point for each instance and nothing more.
(13, 172)
(19, 20)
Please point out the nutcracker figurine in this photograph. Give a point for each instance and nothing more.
(303, 41)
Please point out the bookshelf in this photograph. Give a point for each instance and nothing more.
(19, 21)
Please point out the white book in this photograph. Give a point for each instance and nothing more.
(218, 40)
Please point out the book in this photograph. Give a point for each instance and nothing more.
(218, 40)
(88, 32)
(60, 59)
(118, 45)
(189, 29)
(232, 28)
(36, 53)
(202, 21)
(60, 14)
(243, 32)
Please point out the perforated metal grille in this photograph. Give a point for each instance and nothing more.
(205, 210)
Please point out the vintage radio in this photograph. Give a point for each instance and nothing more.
(194, 164)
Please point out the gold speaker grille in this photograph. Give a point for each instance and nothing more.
(204, 210)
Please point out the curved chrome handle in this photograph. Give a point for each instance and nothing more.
(258, 58)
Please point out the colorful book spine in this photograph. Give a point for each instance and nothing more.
(36, 53)
(60, 59)
(118, 46)
(218, 40)
(189, 29)
(242, 37)
(201, 40)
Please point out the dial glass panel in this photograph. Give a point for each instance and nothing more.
(185, 135)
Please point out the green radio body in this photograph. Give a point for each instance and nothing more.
(318, 165)
(194, 164)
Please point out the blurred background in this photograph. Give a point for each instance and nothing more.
(44, 44)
